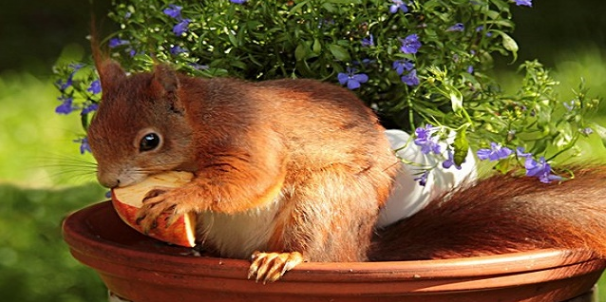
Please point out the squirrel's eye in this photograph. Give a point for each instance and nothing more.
(149, 142)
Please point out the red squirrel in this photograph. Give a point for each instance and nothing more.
(289, 170)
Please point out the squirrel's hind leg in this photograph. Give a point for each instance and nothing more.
(329, 215)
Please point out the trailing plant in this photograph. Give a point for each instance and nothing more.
(423, 66)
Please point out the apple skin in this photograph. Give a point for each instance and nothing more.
(128, 200)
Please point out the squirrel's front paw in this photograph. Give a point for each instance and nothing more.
(156, 203)
(270, 267)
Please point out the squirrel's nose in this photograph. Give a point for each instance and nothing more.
(108, 181)
(107, 177)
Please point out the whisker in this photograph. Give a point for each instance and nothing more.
(64, 169)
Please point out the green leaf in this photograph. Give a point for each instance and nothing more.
(492, 14)
(501, 5)
(339, 52)
(297, 8)
(601, 131)
(238, 64)
(461, 147)
(316, 48)
(510, 44)
(329, 7)
(501, 23)
(345, 1)
(456, 99)
(84, 121)
(540, 146)
(300, 52)
(232, 37)
(503, 166)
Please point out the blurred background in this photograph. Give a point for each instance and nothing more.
(43, 177)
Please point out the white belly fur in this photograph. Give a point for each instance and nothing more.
(239, 235)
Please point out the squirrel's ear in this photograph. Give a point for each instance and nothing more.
(165, 84)
(165, 80)
(110, 73)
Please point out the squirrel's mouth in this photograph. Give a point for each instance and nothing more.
(123, 179)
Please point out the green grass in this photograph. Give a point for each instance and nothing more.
(43, 177)
(36, 145)
(571, 66)
(35, 264)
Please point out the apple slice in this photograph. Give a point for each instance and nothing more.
(128, 200)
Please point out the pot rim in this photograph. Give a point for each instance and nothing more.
(85, 245)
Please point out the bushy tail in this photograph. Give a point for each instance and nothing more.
(503, 214)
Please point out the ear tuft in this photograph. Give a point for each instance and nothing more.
(165, 80)
(110, 74)
(164, 86)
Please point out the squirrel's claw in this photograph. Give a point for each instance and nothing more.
(155, 204)
(270, 267)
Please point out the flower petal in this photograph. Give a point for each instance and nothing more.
(352, 84)
(360, 78)
(343, 78)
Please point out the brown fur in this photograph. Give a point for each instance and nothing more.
(310, 151)
(503, 214)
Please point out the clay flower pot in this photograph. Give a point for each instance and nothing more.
(138, 268)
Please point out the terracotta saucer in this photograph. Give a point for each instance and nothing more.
(139, 268)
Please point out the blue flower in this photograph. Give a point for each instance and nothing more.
(410, 44)
(64, 85)
(325, 23)
(586, 131)
(520, 152)
(66, 106)
(422, 179)
(238, 1)
(352, 79)
(90, 108)
(175, 50)
(173, 11)
(540, 169)
(95, 87)
(496, 152)
(84, 146)
(398, 5)
(457, 27)
(523, 3)
(181, 27)
(69, 81)
(366, 61)
(426, 140)
(470, 69)
(115, 42)
(76, 66)
(198, 66)
(481, 28)
(411, 78)
(401, 65)
(449, 162)
(370, 41)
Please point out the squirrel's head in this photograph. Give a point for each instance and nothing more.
(140, 127)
